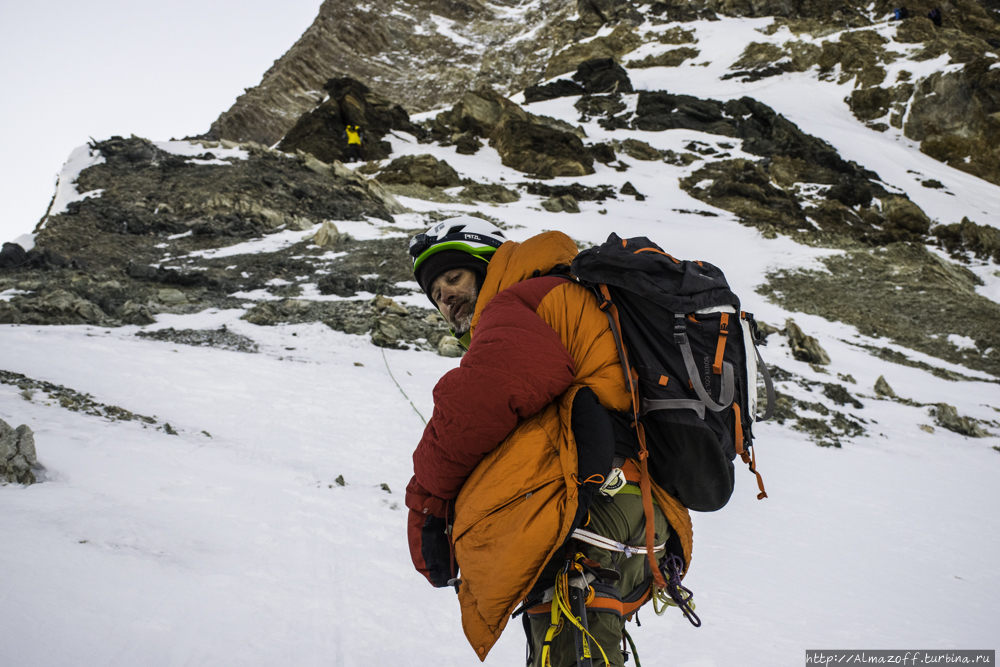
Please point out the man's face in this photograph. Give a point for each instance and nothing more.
(455, 293)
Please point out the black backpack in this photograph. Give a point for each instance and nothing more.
(690, 360)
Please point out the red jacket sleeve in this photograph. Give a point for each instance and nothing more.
(515, 366)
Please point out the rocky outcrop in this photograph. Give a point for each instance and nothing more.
(602, 76)
(622, 40)
(423, 169)
(388, 323)
(17, 454)
(671, 58)
(904, 293)
(563, 204)
(947, 417)
(804, 347)
(882, 388)
(158, 238)
(540, 150)
(956, 118)
(320, 132)
(531, 144)
(982, 241)
(220, 338)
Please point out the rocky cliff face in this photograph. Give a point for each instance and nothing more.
(424, 54)
(427, 54)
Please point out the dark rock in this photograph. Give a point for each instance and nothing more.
(600, 105)
(903, 214)
(602, 153)
(870, 103)
(163, 276)
(805, 348)
(550, 91)
(467, 145)
(839, 395)
(134, 151)
(947, 417)
(577, 191)
(477, 113)
(981, 240)
(657, 111)
(629, 189)
(423, 169)
(389, 327)
(221, 338)
(12, 256)
(882, 388)
(540, 150)
(915, 30)
(565, 203)
(954, 116)
(671, 58)
(603, 76)
(744, 188)
(622, 40)
(57, 306)
(491, 193)
(348, 285)
(320, 132)
(640, 150)
(17, 454)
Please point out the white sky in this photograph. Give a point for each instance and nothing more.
(74, 70)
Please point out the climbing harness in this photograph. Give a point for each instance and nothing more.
(567, 594)
(612, 545)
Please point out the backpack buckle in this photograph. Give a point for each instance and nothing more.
(680, 329)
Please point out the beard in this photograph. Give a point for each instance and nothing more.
(463, 323)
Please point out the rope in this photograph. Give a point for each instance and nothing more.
(400, 388)
(560, 610)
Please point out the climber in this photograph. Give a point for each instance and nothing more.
(355, 136)
(533, 395)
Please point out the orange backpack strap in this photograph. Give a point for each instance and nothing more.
(609, 308)
(750, 458)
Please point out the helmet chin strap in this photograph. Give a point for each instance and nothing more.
(464, 340)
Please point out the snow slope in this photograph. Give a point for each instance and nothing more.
(231, 543)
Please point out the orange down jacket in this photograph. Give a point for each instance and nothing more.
(499, 451)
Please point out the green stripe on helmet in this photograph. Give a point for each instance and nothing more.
(482, 252)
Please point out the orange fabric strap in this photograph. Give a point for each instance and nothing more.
(739, 429)
(658, 252)
(647, 505)
(600, 604)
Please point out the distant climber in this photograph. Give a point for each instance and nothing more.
(901, 14)
(355, 136)
(935, 16)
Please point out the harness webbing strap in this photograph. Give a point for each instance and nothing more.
(610, 544)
